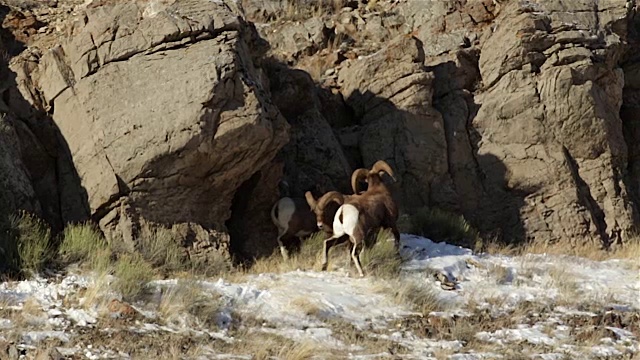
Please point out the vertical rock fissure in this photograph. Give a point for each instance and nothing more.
(585, 197)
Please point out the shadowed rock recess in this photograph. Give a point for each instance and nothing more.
(520, 115)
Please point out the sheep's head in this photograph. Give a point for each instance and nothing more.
(325, 207)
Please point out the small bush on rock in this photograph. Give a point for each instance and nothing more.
(439, 225)
(33, 241)
(83, 243)
(132, 274)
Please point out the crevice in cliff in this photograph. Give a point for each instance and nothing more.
(238, 221)
(587, 200)
(630, 109)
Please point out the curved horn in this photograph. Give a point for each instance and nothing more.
(330, 196)
(382, 165)
(355, 177)
(310, 200)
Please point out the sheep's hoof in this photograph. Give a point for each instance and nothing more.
(324, 267)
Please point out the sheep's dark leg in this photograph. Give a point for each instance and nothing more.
(328, 244)
(283, 250)
(349, 248)
(355, 255)
(396, 235)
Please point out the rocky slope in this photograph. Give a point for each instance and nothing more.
(518, 114)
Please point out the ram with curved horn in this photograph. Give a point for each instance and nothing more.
(358, 215)
(377, 187)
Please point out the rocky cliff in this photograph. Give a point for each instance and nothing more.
(520, 115)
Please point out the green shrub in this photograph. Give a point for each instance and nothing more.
(381, 259)
(132, 274)
(84, 243)
(33, 239)
(439, 225)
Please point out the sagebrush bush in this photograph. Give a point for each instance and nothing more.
(159, 248)
(439, 225)
(33, 240)
(132, 274)
(83, 243)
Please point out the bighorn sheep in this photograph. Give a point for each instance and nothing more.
(292, 217)
(373, 178)
(359, 214)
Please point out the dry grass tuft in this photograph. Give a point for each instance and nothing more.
(368, 339)
(588, 250)
(132, 275)
(421, 298)
(85, 244)
(187, 298)
(160, 249)
(381, 259)
(81, 242)
(502, 274)
(299, 351)
(305, 259)
(96, 295)
(309, 307)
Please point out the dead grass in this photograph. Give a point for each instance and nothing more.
(588, 250)
(369, 339)
(299, 351)
(308, 306)
(501, 273)
(381, 259)
(187, 298)
(96, 295)
(307, 258)
(159, 248)
(132, 274)
(422, 298)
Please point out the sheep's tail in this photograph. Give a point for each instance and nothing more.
(274, 213)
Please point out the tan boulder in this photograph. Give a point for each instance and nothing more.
(163, 111)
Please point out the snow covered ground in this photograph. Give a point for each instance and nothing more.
(532, 306)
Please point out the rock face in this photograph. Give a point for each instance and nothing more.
(36, 172)
(521, 115)
(390, 93)
(164, 113)
(509, 112)
(550, 116)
